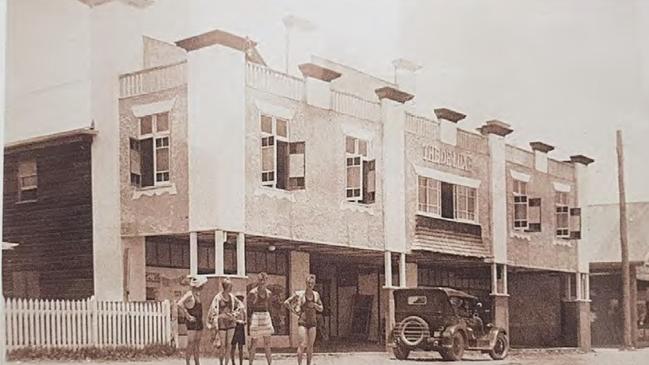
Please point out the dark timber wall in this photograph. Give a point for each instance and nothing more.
(54, 258)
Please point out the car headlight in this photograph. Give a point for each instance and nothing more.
(437, 333)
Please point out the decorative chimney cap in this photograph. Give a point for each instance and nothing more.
(391, 93)
(222, 38)
(319, 72)
(581, 159)
(496, 127)
(448, 114)
(541, 147)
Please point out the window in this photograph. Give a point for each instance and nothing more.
(464, 203)
(272, 263)
(27, 181)
(534, 215)
(150, 153)
(361, 172)
(417, 300)
(429, 195)
(282, 162)
(575, 223)
(562, 213)
(446, 200)
(520, 205)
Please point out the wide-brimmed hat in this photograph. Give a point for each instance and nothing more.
(196, 281)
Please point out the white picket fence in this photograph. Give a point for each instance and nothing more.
(86, 323)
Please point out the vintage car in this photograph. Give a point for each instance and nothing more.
(445, 320)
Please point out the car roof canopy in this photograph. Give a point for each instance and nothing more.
(448, 291)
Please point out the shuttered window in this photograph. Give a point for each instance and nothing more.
(520, 205)
(27, 181)
(361, 172)
(282, 162)
(150, 153)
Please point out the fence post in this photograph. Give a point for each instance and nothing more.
(166, 312)
(94, 320)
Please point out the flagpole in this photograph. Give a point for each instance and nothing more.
(287, 47)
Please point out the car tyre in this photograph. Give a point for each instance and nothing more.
(501, 347)
(456, 351)
(401, 352)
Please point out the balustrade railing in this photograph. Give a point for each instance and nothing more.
(152, 79)
(355, 106)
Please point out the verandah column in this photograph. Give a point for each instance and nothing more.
(580, 163)
(387, 266)
(496, 131)
(500, 296)
(393, 118)
(241, 254)
(219, 239)
(193, 253)
(402, 270)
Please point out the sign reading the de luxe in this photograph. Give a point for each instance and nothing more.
(447, 157)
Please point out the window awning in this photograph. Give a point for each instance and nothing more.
(446, 177)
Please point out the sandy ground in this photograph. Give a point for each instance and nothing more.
(598, 357)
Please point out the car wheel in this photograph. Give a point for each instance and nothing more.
(456, 351)
(400, 352)
(413, 331)
(501, 348)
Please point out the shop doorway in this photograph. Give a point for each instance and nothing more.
(538, 315)
(354, 304)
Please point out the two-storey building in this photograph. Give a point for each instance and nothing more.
(227, 167)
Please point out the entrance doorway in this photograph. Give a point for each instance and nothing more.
(538, 314)
(353, 302)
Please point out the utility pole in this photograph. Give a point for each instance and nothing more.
(3, 39)
(624, 245)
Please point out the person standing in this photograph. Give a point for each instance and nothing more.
(191, 307)
(222, 316)
(261, 324)
(239, 338)
(305, 304)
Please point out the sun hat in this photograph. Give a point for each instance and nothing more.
(196, 281)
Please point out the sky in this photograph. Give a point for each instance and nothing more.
(564, 72)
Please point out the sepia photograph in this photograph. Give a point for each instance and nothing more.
(314, 182)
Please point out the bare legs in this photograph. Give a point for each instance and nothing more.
(226, 344)
(269, 354)
(193, 347)
(307, 339)
(253, 350)
(240, 347)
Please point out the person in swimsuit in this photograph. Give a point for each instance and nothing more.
(239, 338)
(191, 308)
(305, 304)
(261, 324)
(222, 316)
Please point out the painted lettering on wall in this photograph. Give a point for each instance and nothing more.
(447, 157)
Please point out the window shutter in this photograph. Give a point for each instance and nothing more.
(282, 165)
(134, 154)
(534, 215)
(296, 166)
(575, 223)
(369, 181)
(448, 207)
(146, 162)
